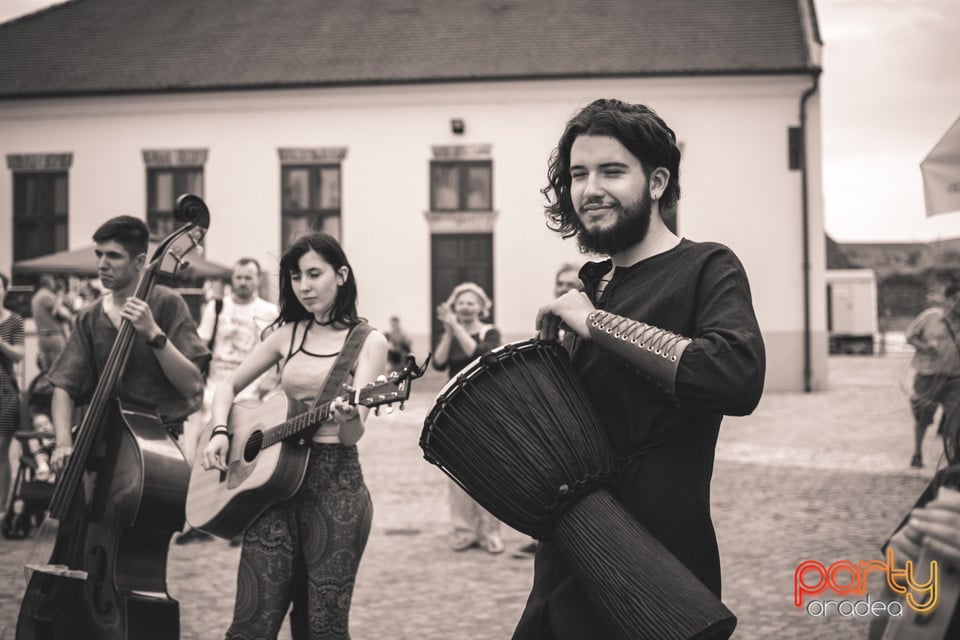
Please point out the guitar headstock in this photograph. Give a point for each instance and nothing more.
(168, 258)
(395, 388)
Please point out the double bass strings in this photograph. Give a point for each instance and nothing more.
(71, 477)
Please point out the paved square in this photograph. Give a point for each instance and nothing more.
(820, 476)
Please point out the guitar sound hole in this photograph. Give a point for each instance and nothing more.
(253, 446)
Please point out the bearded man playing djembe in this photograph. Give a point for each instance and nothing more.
(666, 343)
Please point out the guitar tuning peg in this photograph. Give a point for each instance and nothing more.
(394, 375)
(381, 378)
(388, 409)
(402, 404)
(376, 411)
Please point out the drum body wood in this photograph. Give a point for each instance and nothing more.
(516, 430)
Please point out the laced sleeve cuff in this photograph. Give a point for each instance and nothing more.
(652, 351)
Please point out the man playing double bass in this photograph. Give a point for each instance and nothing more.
(163, 369)
(666, 344)
(122, 496)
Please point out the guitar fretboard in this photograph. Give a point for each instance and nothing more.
(297, 424)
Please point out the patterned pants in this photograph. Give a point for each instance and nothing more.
(306, 550)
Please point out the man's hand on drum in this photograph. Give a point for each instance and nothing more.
(571, 309)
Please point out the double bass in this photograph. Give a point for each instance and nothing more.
(118, 501)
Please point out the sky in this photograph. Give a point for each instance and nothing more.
(890, 89)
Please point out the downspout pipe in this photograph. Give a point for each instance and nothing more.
(805, 215)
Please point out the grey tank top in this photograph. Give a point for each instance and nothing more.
(304, 373)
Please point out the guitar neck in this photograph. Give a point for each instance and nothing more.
(297, 424)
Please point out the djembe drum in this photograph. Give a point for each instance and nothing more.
(515, 429)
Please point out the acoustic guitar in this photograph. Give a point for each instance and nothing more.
(268, 454)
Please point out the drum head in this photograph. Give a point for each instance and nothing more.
(479, 364)
(516, 430)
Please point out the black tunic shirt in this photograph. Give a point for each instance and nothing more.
(700, 291)
(666, 444)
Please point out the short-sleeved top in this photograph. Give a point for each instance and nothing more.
(11, 330)
(239, 327)
(943, 356)
(43, 307)
(304, 375)
(78, 367)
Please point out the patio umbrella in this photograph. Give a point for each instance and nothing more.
(941, 174)
(82, 262)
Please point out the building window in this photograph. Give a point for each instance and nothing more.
(311, 200)
(40, 214)
(170, 174)
(310, 192)
(164, 186)
(457, 185)
(40, 203)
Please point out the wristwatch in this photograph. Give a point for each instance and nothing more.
(158, 341)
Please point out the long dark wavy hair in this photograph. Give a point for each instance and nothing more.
(637, 127)
(344, 312)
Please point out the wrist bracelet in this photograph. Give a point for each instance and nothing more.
(220, 428)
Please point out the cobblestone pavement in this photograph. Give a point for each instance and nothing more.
(808, 476)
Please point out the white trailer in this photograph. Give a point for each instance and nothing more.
(852, 310)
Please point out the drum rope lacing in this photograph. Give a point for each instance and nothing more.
(516, 413)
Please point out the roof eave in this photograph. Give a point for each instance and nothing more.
(274, 86)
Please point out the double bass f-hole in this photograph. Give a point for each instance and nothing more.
(101, 602)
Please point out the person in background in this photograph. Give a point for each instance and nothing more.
(11, 352)
(399, 346)
(464, 338)
(50, 315)
(936, 364)
(66, 297)
(230, 327)
(567, 279)
(87, 293)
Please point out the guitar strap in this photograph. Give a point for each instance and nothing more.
(341, 369)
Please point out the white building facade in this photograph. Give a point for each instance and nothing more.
(430, 183)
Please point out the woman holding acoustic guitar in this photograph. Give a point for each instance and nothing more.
(306, 549)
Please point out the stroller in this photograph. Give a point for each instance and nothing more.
(33, 483)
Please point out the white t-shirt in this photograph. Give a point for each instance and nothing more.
(238, 332)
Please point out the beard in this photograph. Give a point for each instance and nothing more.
(631, 227)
